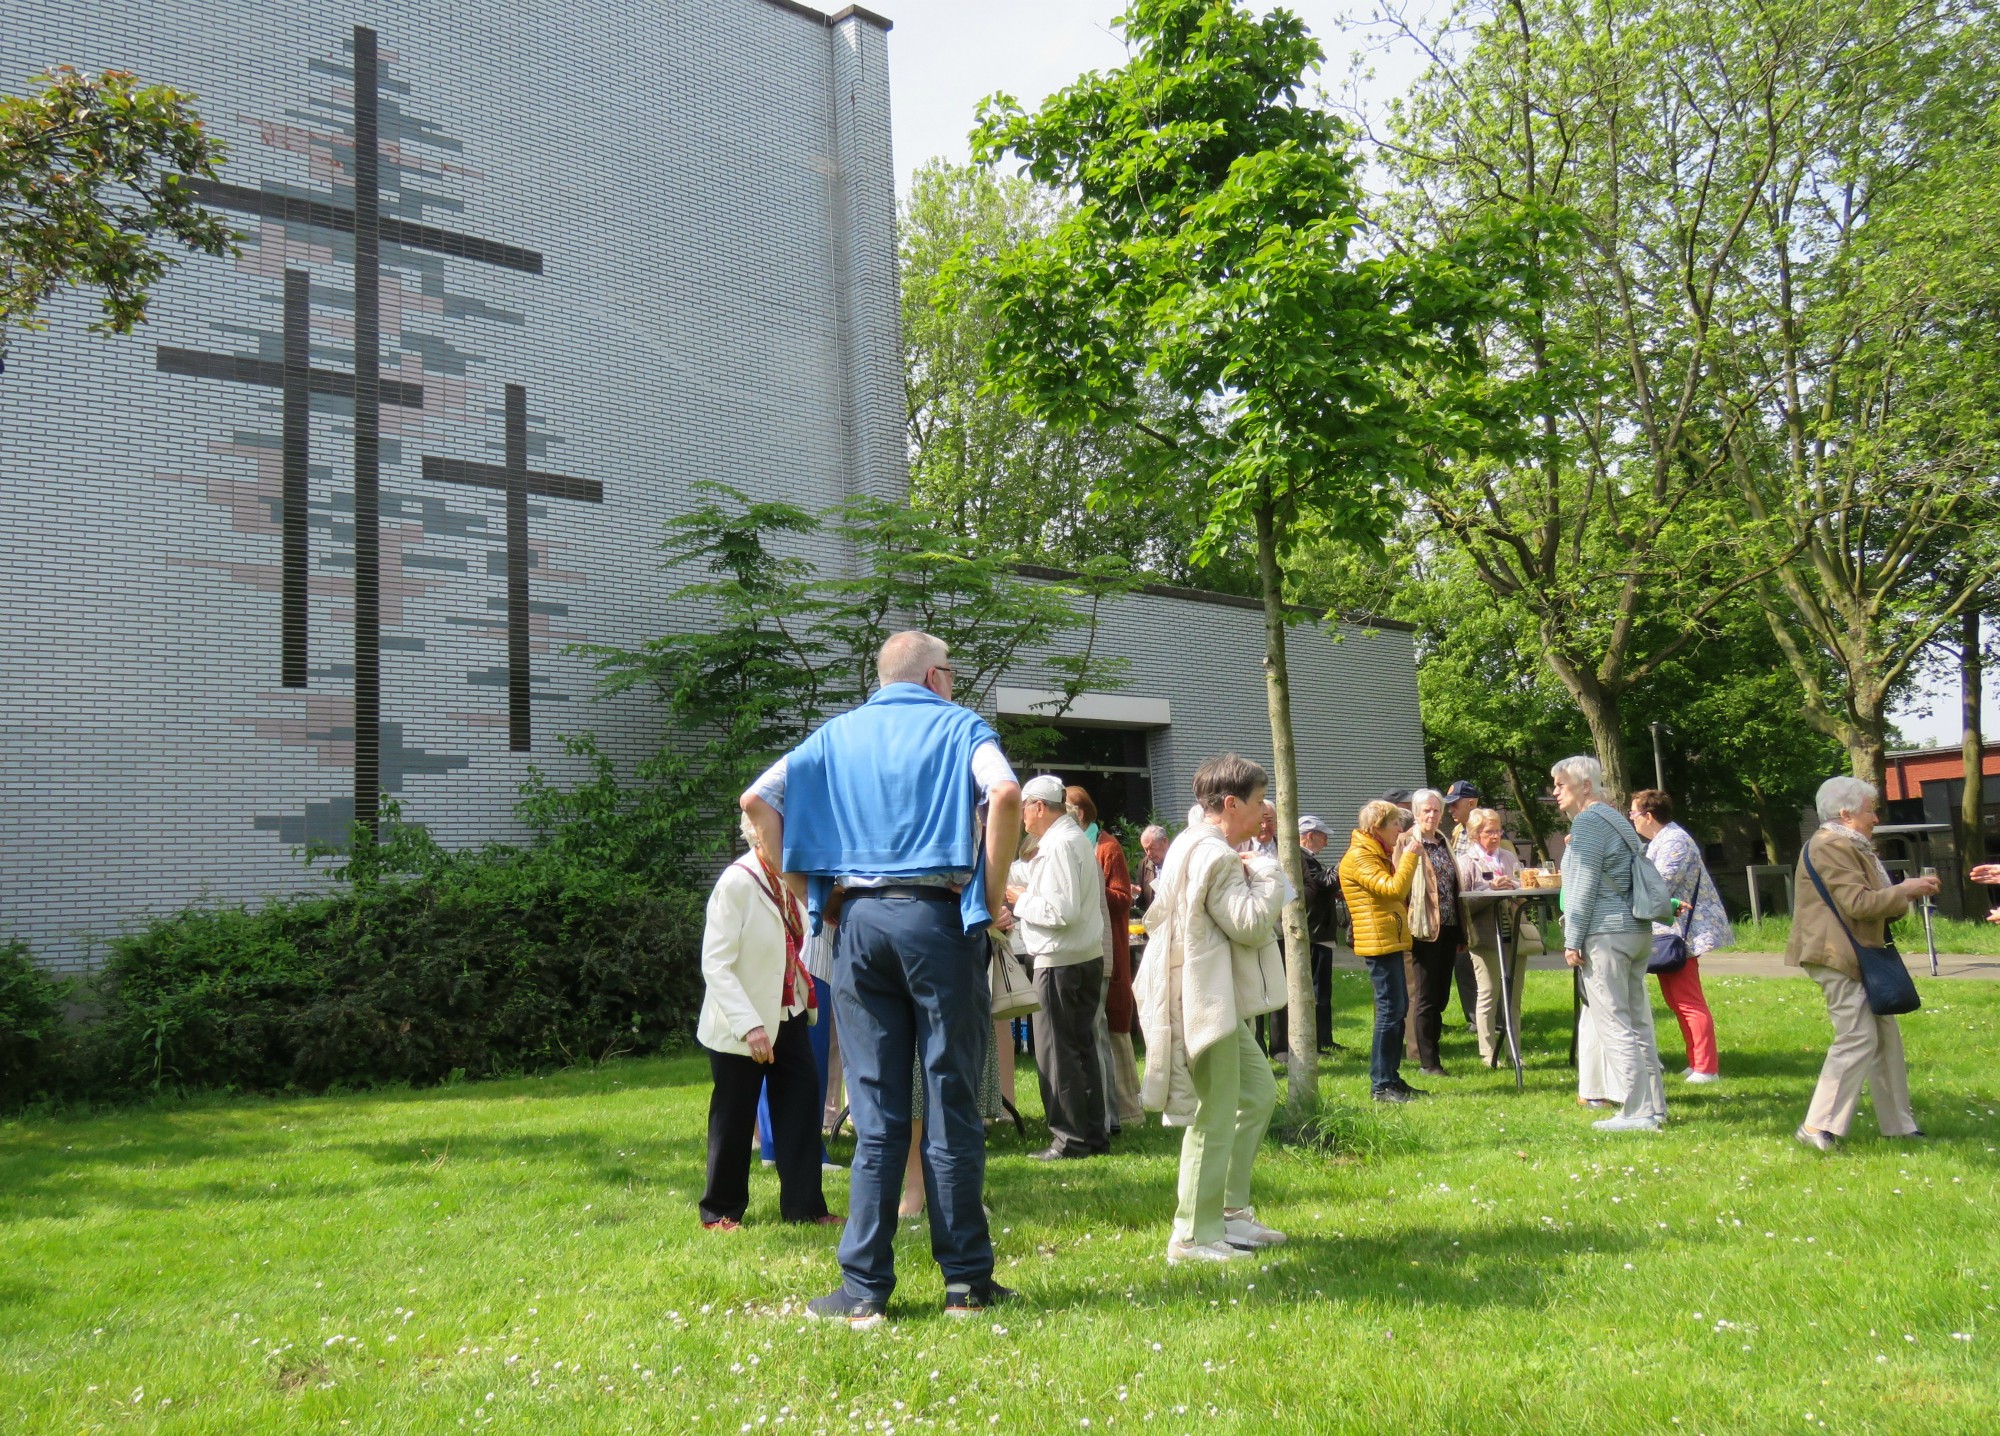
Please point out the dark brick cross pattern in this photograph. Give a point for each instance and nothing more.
(517, 481)
(298, 380)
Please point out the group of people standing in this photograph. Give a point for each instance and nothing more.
(882, 875)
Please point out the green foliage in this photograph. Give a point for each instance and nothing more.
(94, 176)
(786, 646)
(1015, 483)
(32, 1021)
(1753, 337)
(425, 966)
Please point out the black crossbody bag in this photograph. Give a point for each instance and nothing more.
(1670, 949)
(1891, 990)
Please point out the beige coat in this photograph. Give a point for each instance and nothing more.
(1482, 919)
(1860, 885)
(742, 961)
(1212, 960)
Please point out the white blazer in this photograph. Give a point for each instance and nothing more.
(742, 961)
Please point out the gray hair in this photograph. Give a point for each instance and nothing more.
(1838, 797)
(1424, 795)
(1582, 771)
(751, 837)
(909, 656)
(1153, 830)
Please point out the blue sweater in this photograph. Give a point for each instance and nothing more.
(1597, 875)
(886, 790)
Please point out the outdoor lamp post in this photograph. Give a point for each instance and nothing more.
(1659, 757)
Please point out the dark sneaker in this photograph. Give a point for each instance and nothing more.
(859, 1312)
(1394, 1094)
(1411, 1091)
(962, 1299)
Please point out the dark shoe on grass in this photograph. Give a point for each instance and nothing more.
(859, 1312)
(1057, 1154)
(964, 1299)
(1395, 1094)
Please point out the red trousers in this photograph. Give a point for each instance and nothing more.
(1683, 993)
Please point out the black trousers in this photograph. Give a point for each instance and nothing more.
(732, 1125)
(1066, 1065)
(1322, 970)
(1430, 971)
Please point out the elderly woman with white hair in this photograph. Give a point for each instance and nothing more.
(754, 1018)
(1436, 931)
(1603, 940)
(1866, 1048)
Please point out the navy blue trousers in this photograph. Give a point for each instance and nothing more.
(1392, 1007)
(909, 981)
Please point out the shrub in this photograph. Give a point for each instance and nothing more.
(32, 1022)
(427, 965)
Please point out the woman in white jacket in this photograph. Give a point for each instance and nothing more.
(754, 1015)
(1214, 969)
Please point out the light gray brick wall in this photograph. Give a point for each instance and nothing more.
(1355, 722)
(711, 186)
(710, 183)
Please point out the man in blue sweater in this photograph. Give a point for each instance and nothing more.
(908, 804)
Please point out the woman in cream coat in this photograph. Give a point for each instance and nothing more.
(754, 1019)
(1488, 864)
(1214, 969)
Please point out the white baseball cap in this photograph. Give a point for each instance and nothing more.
(1046, 789)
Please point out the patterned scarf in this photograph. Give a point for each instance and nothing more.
(1845, 834)
(799, 990)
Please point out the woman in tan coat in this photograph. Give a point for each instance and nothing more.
(1866, 1048)
(1375, 876)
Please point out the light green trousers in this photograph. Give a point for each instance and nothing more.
(1235, 1095)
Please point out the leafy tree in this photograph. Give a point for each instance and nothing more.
(1864, 403)
(782, 648)
(1746, 369)
(1210, 261)
(94, 176)
(1015, 482)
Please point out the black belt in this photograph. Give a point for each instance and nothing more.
(905, 890)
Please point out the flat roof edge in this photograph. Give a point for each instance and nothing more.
(826, 21)
(1228, 600)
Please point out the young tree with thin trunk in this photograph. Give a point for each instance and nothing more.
(1210, 258)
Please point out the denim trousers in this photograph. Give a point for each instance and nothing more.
(909, 983)
(1392, 1006)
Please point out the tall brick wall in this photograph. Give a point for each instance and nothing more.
(621, 249)
(705, 190)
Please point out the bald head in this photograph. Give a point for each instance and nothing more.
(909, 656)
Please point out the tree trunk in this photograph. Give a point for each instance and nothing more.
(1972, 747)
(1302, 1042)
(1867, 751)
(1599, 705)
(1524, 804)
(1607, 736)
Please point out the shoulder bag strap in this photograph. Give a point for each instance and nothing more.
(1827, 898)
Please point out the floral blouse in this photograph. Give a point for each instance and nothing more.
(1678, 857)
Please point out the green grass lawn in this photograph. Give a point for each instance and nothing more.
(1980, 939)
(525, 1256)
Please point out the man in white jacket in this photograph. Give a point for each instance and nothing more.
(1061, 920)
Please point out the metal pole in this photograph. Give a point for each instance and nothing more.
(1659, 762)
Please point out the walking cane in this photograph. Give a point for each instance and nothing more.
(1930, 937)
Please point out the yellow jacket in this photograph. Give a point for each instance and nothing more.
(1378, 896)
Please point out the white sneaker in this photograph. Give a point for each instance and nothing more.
(1241, 1228)
(1629, 1124)
(829, 1168)
(1698, 1078)
(1220, 1253)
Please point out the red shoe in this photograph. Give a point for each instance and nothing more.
(830, 1219)
(722, 1224)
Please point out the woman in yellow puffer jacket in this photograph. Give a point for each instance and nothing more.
(1375, 876)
